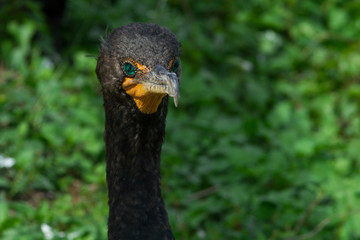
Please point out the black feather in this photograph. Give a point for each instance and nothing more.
(134, 139)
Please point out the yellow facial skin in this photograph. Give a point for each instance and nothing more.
(146, 100)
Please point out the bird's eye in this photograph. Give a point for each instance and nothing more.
(129, 69)
(175, 66)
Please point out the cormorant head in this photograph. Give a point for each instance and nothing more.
(138, 65)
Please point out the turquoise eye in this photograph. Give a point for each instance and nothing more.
(129, 69)
(175, 66)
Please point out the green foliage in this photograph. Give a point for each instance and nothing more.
(264, 145)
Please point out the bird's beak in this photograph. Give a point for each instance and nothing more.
(152, 83)
(160, 80)
(148, 87)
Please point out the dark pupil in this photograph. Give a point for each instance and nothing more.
(129, 69)
(175, 66)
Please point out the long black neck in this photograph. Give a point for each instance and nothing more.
(133, 146)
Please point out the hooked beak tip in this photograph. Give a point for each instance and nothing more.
(173, 84)
(176, 100)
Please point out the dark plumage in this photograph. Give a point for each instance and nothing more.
(135, 126)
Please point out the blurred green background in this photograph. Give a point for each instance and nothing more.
(264, 145)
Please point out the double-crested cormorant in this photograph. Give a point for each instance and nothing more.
(138, 68)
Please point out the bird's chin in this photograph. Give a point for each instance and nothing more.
(149, 90)
(147, 96)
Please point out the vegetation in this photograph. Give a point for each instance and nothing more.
(265, 143)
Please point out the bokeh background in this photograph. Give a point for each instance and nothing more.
(265, 143)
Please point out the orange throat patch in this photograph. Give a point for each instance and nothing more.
(147, 101)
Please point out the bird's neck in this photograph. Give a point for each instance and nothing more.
(133, 146)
